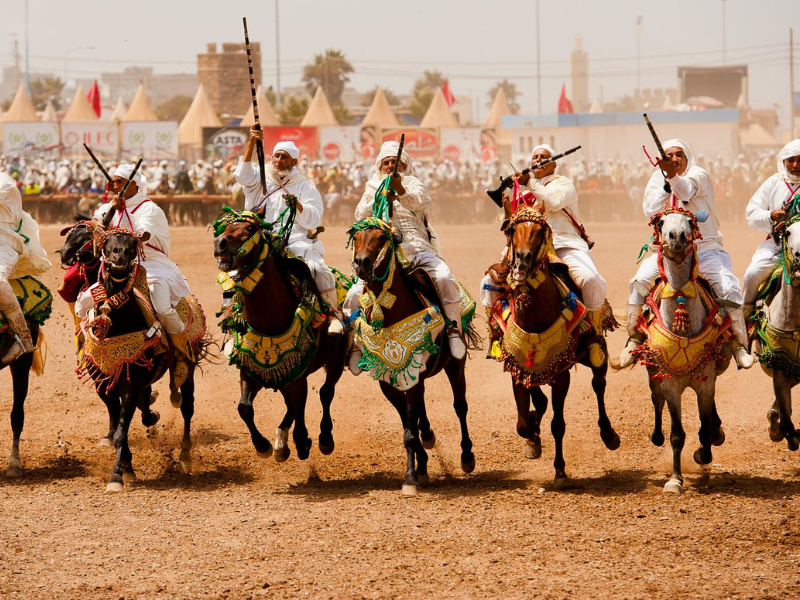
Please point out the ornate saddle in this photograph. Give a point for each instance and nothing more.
(34, 298)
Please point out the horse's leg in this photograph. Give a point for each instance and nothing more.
(774, 416)
(607, 434)
(333, 372)
(123, 461)
(414, 397)
(677, 437)
(187, 411)
(657, 397)
(20, 375)
(149, 416)
(527, 425)
(397, 399)
(559, 388)
(296, 393)
(709, 429)
(458, 383)
(533, 448)
(783, 396)
(282, 450)
(249, 390)
(113, 408)
(426, 434)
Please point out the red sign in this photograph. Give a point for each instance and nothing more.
(420, 143)
(331, 151)
(451, 153)
(305, 138)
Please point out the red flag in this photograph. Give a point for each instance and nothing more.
(94, 98)
(448, 95)
(564, 105)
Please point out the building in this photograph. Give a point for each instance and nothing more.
(579, 61)
(226, 78)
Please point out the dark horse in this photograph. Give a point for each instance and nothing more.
(374, 258)
(274, 343)
(121, 303)
(538, 302)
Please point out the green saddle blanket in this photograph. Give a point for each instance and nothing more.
(34, 298)
(771, 286)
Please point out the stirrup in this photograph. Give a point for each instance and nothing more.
(458, 349)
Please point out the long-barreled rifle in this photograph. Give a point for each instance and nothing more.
(660, 148)
(257, 122)
(390, 205)
(99, 164)
(110, 213)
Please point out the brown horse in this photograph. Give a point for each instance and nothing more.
(274, 304)
(374, 258)
(545, 334)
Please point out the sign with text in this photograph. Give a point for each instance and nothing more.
(305, 138)
(460, 145)
(153, 139)
(420, 143)
(226, 143)
(20, 137)
(340, 144)
(99, 136)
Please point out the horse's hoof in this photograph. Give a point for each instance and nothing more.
(774, 418)
(793, 441)
(152, 420)
(611, 440)
(429, 443)
(468, 466)
(14, 471)
(326, 449)
(673, 486)
(304, 451)
(560, 480)
(657, 437)
(423, 479)
(720, 439)
(153, 397)
(114, 487)
(282, 454)
(533, 449)
(175, 398)
(265, 453)
(702, 456)
(127, 477)
(409, 490)
(185, 466)
(105, 442)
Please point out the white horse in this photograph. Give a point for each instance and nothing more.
(778, 341)
(681, 321)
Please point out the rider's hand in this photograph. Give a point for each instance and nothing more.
(397, 184)
(778, 215)
(522, 179)
(117, 203)
(292, 201)
(256, 134)
(668, 167)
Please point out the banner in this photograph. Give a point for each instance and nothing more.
(99, 136)
(340, 144)
(488, 145)
(420, 143)
(29, 136)
(225, 143)
(369, 143)
(154, 139)
(305, 138)
(460, 145)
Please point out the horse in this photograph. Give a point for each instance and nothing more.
(541, 330)
(776, 324)
(36, 303)
(687, 339)
(280, 347)
(403, 344)
(125, 351)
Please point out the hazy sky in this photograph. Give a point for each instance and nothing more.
(474, 43)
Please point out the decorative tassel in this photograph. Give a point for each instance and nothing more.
(681, 323)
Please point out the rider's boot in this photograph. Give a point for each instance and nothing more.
(458, 349)
(596, 355)
(354, 353)
(635, 338)
(336, 320)
(740, 354)
(183, 359)
(9, 306)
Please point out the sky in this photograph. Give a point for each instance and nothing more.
(474, 43)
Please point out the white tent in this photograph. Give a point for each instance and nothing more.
(439, 113)
(380, 114)
(266, 114)
(498, 110)
(80, 109)
(200, 114)
(140, 109)
(319, 113)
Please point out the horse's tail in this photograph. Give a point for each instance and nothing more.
(203, 352)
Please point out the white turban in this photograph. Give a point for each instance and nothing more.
(390, 149)
(676, 143)
(543, 147)
(124, 170)
(788, 151)
(287, 147)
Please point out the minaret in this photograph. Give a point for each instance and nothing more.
(580, 77)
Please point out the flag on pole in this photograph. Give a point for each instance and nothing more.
(564, 105)
(448, 95)
(94, 98)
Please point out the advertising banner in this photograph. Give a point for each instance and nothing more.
(340, 144)
(305, 138)
(420, 143)
(19, 137)
(99, 136)
(460, 145)
(158, 139)
(225, 143)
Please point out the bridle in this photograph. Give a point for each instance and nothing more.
(88, 247)
(528, 215)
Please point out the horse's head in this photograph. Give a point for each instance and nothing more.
(121, 248)
(676, 230)
(791, 248)
(79, 246)
(529, 236)
(239, 240)
(372, 241)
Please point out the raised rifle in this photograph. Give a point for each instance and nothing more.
(506, 182)
(390, 205)
(99, 164)
(660, 148)
(257, 123)
(110, 213)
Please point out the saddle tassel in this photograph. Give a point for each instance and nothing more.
(681, 323)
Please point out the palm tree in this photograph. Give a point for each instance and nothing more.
(511, 95)
(330, 71)
(293, 109)
(44, 89)
(391, 98)
(422, 94)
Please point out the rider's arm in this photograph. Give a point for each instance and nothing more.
(685, 188)
(84, 302)
(655, 198)
(153, 220)
(248, 176)
(364, 208)
(759, 208)
(416, 197)
(312, 206)
(559, 193)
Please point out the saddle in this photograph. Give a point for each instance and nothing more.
(34, 299)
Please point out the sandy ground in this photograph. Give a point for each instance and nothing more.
(240, 526)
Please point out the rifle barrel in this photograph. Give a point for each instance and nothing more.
(257, 122)
(98, 163)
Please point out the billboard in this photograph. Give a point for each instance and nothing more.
(99, 136)
(305, 138)
(154, 139)
(460, 145)
(340, 144)
(420, 143)
(226, 143)
(19, 137)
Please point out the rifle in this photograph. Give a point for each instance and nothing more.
(257, 123)
(660, 148)
(110, 213)
(390, 205)
(99, 164)
(505, 183)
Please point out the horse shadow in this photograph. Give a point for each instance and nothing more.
(51, 470)
(204, 481)
(744, 486)
(622, 482)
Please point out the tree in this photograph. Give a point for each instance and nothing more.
(174, 109)
(329, 71)
(342, 114)
(44, 89)
(511, 94)
(370, 96)
(422, 94)
(293, 109)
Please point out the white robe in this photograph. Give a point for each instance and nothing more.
(21, 252)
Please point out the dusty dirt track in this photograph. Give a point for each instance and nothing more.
(241, 526)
